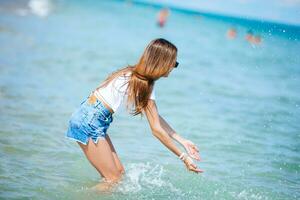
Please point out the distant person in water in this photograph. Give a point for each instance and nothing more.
(90, 121)
(249, 36)
(162, 17)
(256, 39)
(252, 39)
(231, 33)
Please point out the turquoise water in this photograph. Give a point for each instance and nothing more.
(238, 102)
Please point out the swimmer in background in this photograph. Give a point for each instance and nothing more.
(249, 36)
(256, 39)
(162, 17)
(252, 39)
(231, 33)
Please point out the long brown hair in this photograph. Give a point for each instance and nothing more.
(158, 58)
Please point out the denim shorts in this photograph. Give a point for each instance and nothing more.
(89, 121)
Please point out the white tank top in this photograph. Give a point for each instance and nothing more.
(114, 93)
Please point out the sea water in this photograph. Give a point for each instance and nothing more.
(238, 102)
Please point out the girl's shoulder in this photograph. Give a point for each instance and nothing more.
(124, 76)
(122, 79)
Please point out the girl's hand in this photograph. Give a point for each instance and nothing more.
(191, 166)
(191, 148)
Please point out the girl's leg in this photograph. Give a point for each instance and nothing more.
(116, 158)
(101, 157)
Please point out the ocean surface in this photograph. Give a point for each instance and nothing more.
(239, 102)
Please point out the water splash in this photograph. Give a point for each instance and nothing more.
(41, 8)
(145, 176)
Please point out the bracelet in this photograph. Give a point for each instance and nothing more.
(182, 156)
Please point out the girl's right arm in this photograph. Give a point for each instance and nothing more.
(163, 135)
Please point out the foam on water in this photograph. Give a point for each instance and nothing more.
(41, 8)
(144, 176)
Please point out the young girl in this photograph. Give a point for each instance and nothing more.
(89, 123)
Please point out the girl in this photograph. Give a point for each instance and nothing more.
(89, 123)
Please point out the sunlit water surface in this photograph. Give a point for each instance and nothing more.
(238, 102)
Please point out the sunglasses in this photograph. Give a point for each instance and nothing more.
(176, 64)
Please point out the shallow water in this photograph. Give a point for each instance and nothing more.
(238, 102)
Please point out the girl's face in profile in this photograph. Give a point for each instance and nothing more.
(167, 74)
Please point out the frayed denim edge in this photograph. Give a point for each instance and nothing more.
(95, 142)
(76, 140)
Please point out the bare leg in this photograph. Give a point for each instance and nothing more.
(101, 157)
(116, 158)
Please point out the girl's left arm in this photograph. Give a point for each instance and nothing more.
(190, 147)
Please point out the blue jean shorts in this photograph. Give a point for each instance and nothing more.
(89, 121)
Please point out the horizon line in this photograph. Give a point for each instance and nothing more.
(218, 15)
